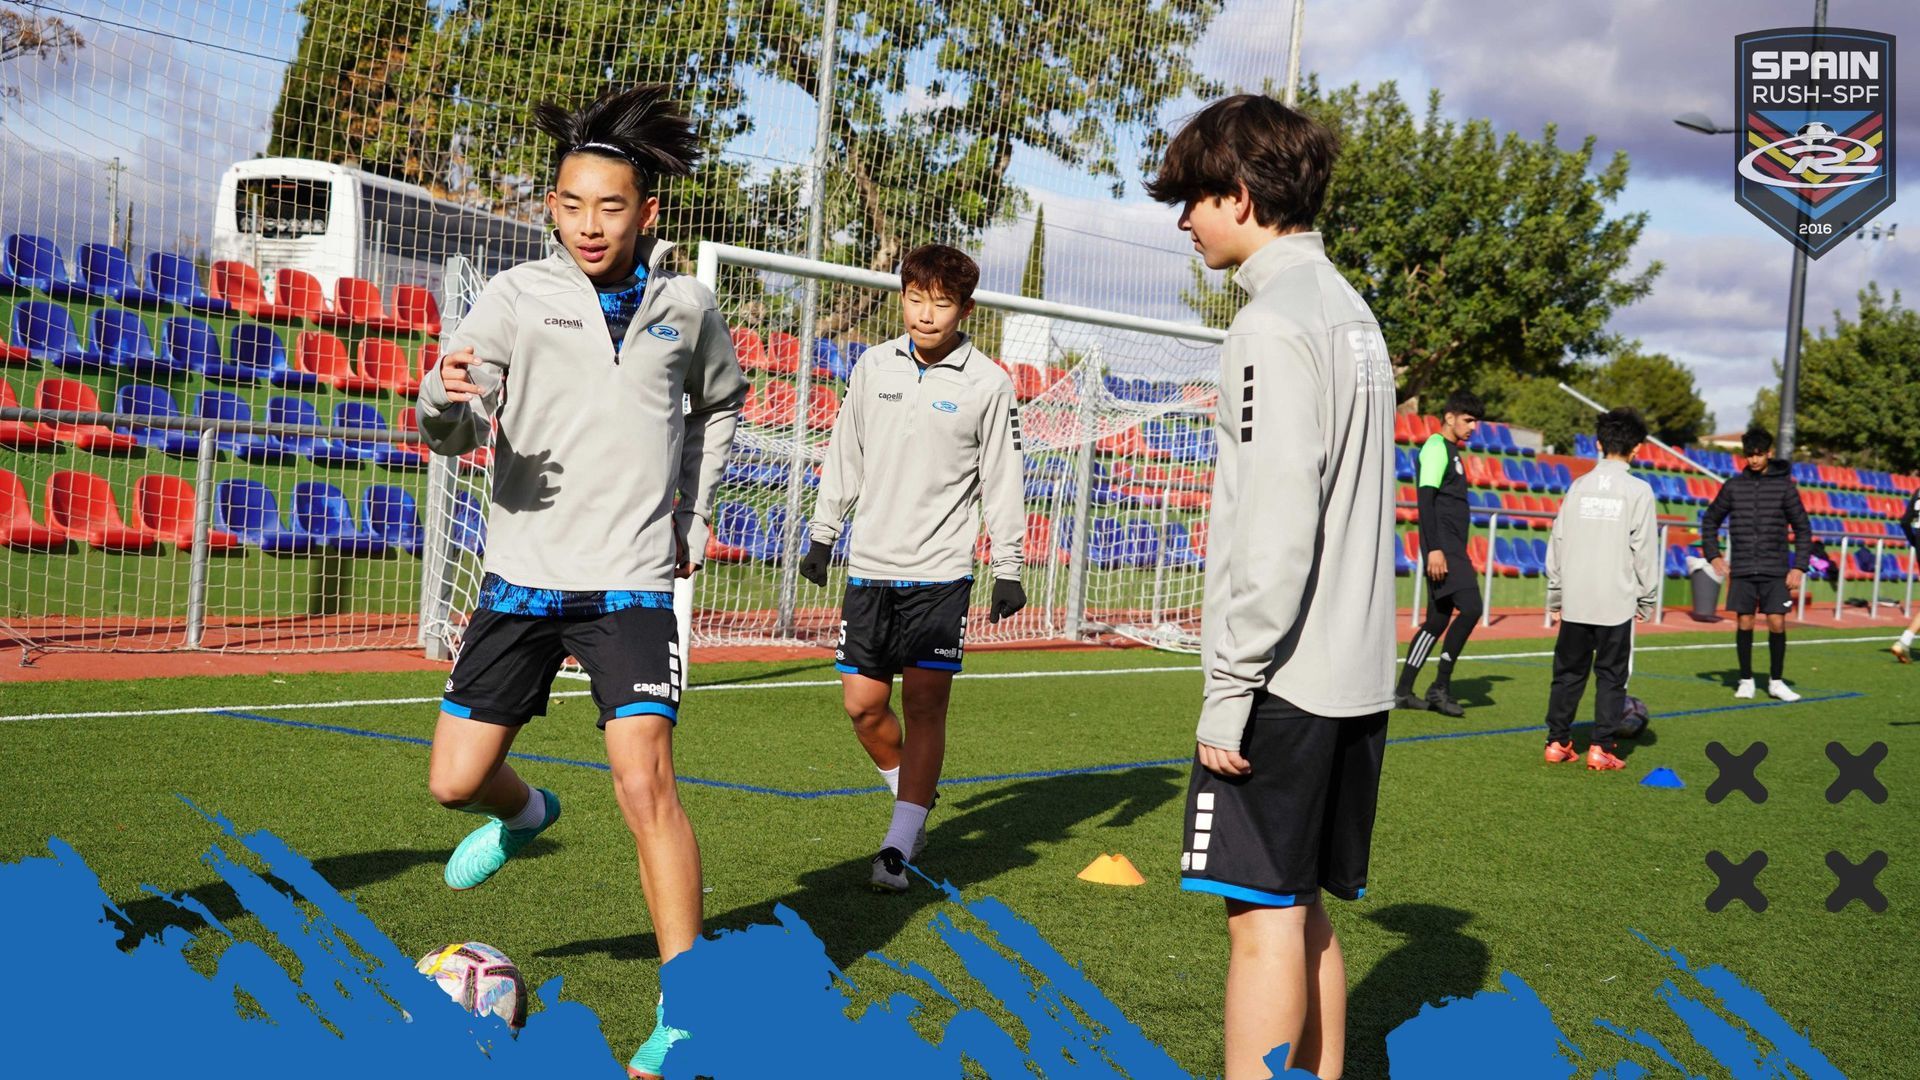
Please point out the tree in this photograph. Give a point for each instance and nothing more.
(1660, 388)
(1766, 404)
(44, 36)
(1033, 279)
(1476, 252)
(346, 97)
(1540, 404)
(1859, 385)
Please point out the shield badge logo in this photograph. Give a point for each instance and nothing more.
(1815, 157)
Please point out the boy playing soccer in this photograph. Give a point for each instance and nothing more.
(1764, 503)
(1603, 573)
(1453, 598)
(583, 359)
(928, 429)
(1297, 625)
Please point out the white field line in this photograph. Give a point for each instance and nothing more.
(816, 683)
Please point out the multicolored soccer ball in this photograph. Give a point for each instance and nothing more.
(480, 978)
(1633, 718)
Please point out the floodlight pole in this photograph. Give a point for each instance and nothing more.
(1291, 95)
(1796, 313)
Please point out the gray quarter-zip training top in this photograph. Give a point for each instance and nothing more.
(1603, 558)
(592, 448)
(913, 450)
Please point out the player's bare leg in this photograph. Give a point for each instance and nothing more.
(640, 751)
(924, 694)
(467, 767)
(869, 705)
(1323, 1034)
(1267, 999)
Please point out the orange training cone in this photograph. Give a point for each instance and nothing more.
(1112, 870)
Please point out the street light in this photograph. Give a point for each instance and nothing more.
(1700, 122)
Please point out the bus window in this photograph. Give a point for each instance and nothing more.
(280, 207)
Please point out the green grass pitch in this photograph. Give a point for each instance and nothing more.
(1485, 859)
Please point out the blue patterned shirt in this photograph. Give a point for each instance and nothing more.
(620, 303)
(499, 594)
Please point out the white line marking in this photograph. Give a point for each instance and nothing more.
(813, 683)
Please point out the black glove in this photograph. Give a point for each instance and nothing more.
(813, 566)
(1008, 599)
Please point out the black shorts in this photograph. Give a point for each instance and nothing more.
(886, 627)
(1300, 823)
(507, 664)
(1768, 596)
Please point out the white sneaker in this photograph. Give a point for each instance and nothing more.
(889, 872)
(1744, 690)
(1780, 691)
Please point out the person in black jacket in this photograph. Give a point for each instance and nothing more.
(1909, 524)
(1764, 504)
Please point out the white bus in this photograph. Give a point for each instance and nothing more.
(333, 221)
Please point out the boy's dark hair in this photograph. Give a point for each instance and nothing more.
(1284, 157)
(1757, 440)
(1619, 431)
(640, 126)
(938, 266)
(1464, 403)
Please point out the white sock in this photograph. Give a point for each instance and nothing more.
(530, 815)
(1906, 638)
(907, 819)
(892, 777)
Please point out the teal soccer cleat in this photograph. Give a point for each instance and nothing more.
(650, 1060)
(487, 848)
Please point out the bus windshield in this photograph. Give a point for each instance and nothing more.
(282, 207)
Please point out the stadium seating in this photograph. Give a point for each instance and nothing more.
(384, 361)
(322, 511)
(823, 407)
(229, 406)
(36, 261)
(143, 399)
(416, 309)
(163, 509)
(187, 345)
(325, 357)
(773, 403)
(783, 353)
(18, 527)
(409, 421)
(119, 339)
(81, 506)
(45, 331)
(175, 278)
(70, 396)
(250, 355)
(389, 512)
(737, 533)
(469, 524)
(301, 293)
(298, 410)
(248, 509)
(239, 284)
(106, 274)
(357, 302)
(19, 434)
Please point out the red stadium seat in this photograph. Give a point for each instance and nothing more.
(409, 420)
(1405, 428)
(301, 291)
(385, 362)
(72, 396)
(18, 529)
(1429, 427)
(1477, 552)
(1039, 546)
(357, 301)
(751, 350)
(823, 407)
(163, 509)
(1029, 382)
(783, 353)
(1196, 538)
(325, 356)
(81, 506)
(239, 284)
(416, 309)
(1410, 513)
(773, 403)
(18, 434)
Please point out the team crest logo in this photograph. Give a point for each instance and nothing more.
(1815, 155)
(946, 406)
(664, 332)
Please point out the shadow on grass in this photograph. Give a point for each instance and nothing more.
(1438, 960)
(152, 915)
(811, 667)
(970, 840)
(1476, 692)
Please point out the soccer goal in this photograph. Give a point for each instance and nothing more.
(1116, 414)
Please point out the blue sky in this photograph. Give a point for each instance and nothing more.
(178, 89)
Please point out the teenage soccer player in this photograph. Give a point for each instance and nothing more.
(1909, 524)
(1297, 623)
(583, 358)
(1764, 503)
(929, 428)
(1453, 590)
(1603, 573)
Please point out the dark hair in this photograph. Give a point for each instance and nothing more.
(1757, 440)
(1284, 157)
(1464, 403)
(1619, 431)
(939, 266)
(639, 126)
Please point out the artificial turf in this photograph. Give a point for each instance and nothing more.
(1485, 860)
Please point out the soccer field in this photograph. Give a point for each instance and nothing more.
(1485, 859)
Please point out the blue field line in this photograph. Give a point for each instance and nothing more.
(950, 781)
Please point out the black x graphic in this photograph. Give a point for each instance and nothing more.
(1856, 882)
(1856, 773)
(1737, 881)
(1737, 772)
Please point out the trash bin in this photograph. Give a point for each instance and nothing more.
(1706, 590)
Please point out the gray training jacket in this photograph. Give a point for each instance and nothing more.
(914, 450)
(1299, 586)
(592, 449)
(1603, 558)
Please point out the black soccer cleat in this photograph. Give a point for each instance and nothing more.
(1409, 703)
(889, 872)
(1442, 702)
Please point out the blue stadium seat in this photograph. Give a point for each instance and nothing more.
(469, 523)
(829, 361)
(359, 414)
(1179, 547)
(1140, 543)
(1536, 553)
(46, 332)
(1403, 466)
(248, 509)
(143, 399)
(227, 405)
(1584, 446)
(107, 275)
(250, 355)
(1512, 470)
(36, 261)
(737, 525)
(175, 277)
(120, 339)
(1403, 564)
(389, 512)
(295, 410)
(187, 345)
(1890, 568)
(323, 512)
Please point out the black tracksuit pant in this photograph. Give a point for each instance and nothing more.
(1603, 650)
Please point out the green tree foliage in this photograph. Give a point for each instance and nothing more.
(1859, 385)
(347, 96)
(1476, 251)
(1660, 388)
(1033, 279)
(1540, 404)
(1766, 404)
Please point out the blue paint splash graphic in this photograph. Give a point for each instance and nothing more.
(763, 1001)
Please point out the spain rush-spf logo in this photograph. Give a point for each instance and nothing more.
(1815, 156)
